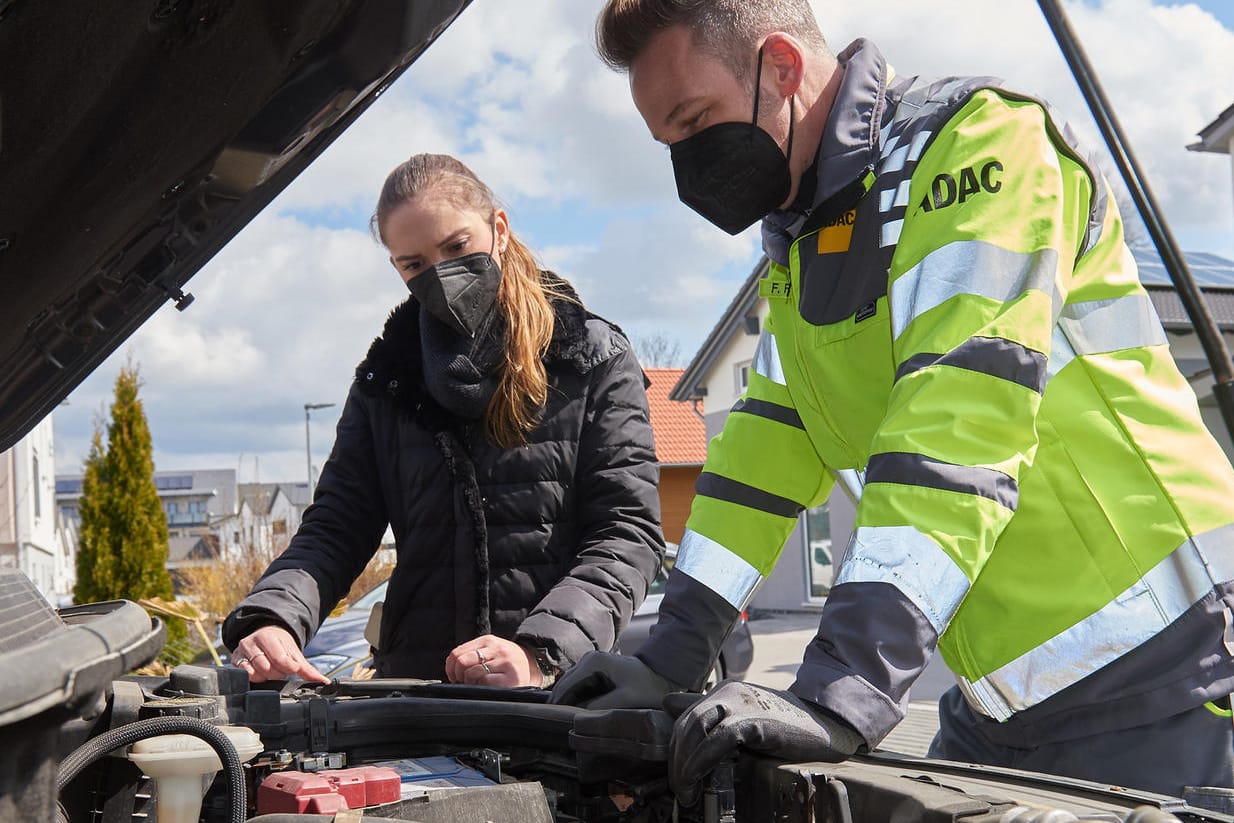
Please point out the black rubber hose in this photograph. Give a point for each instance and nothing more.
(97, 747)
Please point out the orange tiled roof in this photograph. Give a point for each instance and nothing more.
(681, 437)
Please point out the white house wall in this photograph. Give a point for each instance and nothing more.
(1186, 347)
(721, 382)
(28, 539)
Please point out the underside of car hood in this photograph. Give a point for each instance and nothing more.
(137, 138)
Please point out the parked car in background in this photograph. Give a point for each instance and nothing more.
(340, 646)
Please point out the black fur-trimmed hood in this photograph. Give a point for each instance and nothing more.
(393, 366)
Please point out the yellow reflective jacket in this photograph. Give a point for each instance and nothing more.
(958, 327)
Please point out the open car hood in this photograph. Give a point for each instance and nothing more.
(137, 138)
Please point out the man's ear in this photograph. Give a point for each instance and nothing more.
(783, 63)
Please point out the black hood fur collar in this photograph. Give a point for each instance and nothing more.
(393, 365)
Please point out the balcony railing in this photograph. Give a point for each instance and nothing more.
(188, 519)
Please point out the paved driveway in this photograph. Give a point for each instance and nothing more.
(780, 640)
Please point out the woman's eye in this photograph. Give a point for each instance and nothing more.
(411, 266)
(458, 245)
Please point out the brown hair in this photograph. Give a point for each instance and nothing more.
(523, 299)
(728, 30)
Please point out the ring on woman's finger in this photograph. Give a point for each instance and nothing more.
(240, 661)
(480, 657)
(257, 655)
(487, 670)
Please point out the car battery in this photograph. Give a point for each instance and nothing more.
(422, 775)
(327, 792)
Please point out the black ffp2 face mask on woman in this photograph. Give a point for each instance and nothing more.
(734, 174)
(459, 292)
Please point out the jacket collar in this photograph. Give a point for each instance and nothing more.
(850, 141)
(394, 367)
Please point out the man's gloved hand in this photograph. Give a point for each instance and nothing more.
(602, 680)
(741, 715)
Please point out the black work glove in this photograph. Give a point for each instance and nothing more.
(741, 715)
(602, 680)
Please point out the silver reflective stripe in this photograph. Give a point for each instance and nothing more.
(894, 159)
(1061, 354)
(717, 568)
(1099, 326)
(893, 198)
(886, 200)
(969, 267)
(887, 140)
(890, 234)
(910, 561)
(767, 359)
(852, 482)
(1155, 601)
(919, 141)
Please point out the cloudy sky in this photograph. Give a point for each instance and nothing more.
(285, 312)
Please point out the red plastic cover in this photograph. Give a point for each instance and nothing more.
(328, 791)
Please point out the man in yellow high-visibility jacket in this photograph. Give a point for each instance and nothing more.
(957, 334)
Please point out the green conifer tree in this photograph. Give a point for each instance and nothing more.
(123, 537)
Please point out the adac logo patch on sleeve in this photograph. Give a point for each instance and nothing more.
(946, 190)
(837, 235)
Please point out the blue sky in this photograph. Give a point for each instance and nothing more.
(1223, 10)
(285, 312)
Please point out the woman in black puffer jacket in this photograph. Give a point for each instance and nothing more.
(502, 432)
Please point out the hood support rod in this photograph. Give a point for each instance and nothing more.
(1175, 263)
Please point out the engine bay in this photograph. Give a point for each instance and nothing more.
(86, 743)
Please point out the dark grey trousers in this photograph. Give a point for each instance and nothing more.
(1195, 748)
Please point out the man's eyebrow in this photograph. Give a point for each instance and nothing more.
(677, 110)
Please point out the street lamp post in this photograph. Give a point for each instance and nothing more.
(308, 449)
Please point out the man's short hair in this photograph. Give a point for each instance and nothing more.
(726, 29)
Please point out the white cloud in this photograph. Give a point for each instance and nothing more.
(285, 312)
(282, 316)
(661, 274)
(1167, 71)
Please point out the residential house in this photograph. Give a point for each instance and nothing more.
(198, 504)
(681, 448)
(32, 538)
(719, 374)
(269, 514)
(1218, 136)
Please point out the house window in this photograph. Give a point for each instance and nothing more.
(818, 549)
(279, 526)
(741, 375)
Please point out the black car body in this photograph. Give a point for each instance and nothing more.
(136, 138)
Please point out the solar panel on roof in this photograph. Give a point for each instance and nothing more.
(1210, 271)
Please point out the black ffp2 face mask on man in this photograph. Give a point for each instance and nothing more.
(459, 292)
(734, 174)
